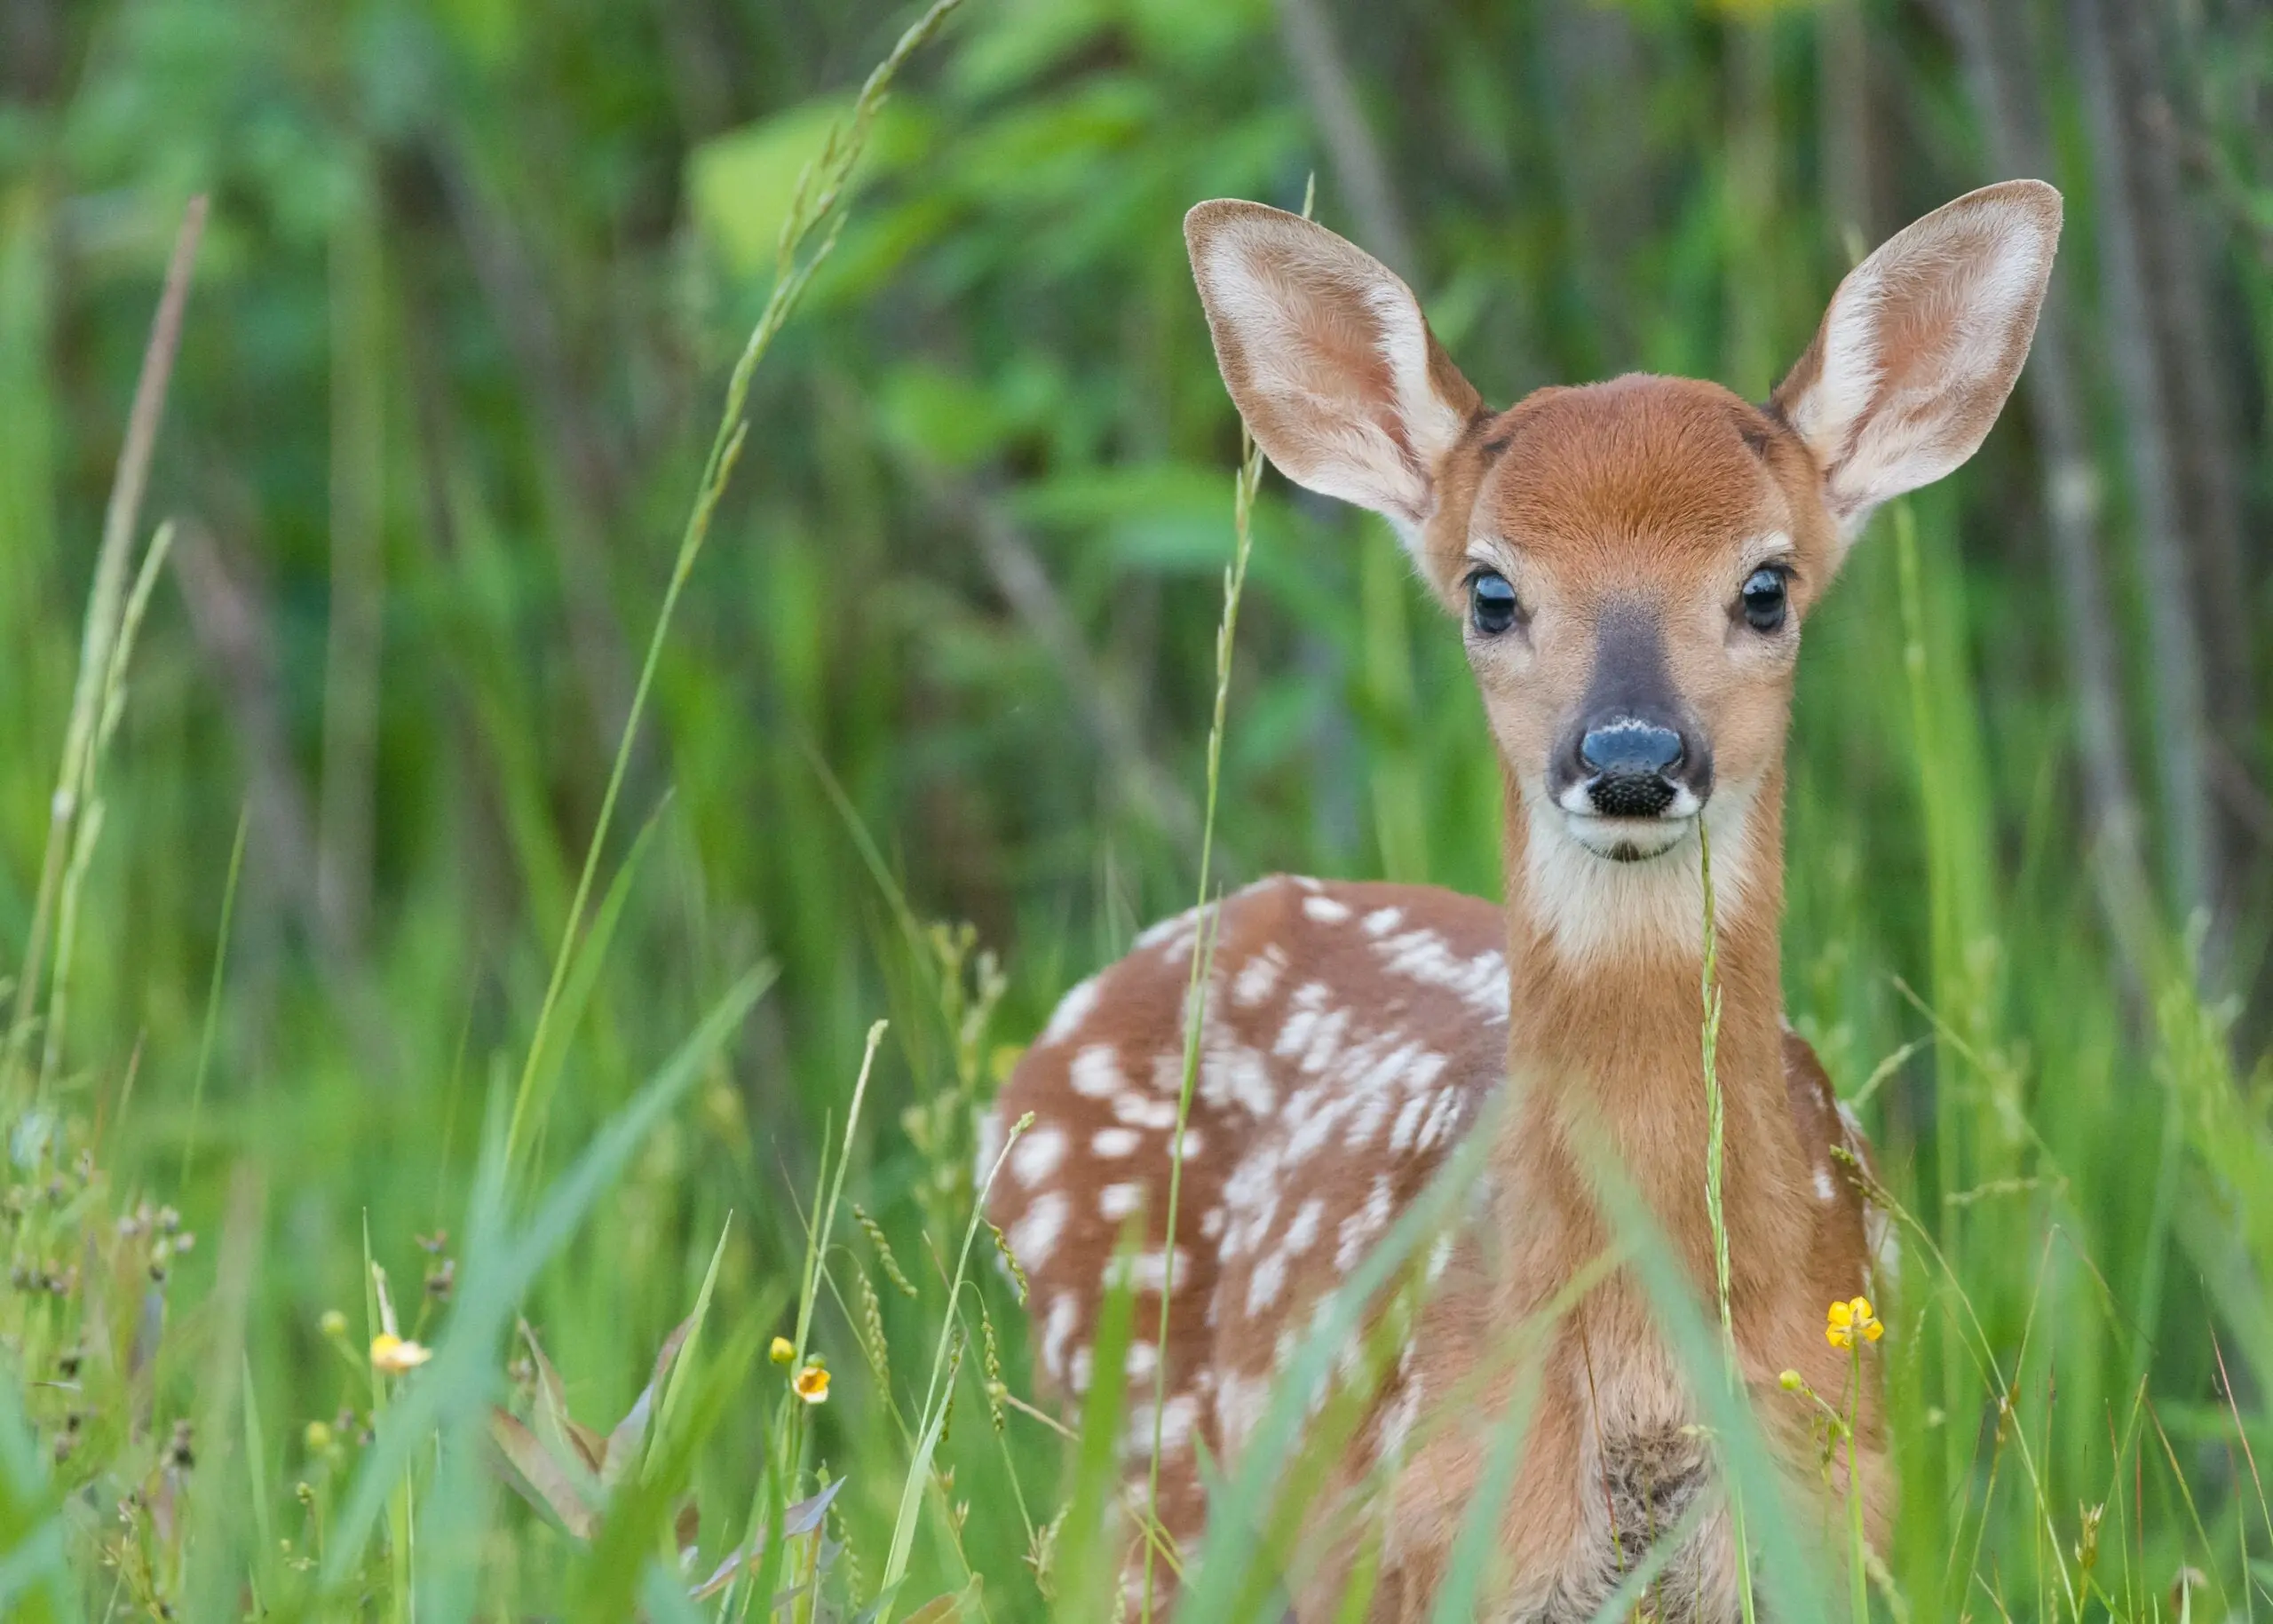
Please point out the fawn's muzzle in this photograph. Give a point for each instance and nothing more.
(1633, 752)
(1629, 765)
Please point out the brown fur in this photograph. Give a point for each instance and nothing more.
(1354, 1033)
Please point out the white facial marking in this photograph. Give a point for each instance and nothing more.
(1591, 907)
(1649, 837)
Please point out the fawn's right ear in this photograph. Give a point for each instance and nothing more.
(1328, 358)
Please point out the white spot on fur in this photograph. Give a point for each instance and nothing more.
(990, 1147)
(1381, 920)
(1177, 1417)
(1095, 1073)
(1302, 1230)
(1064, 1308)
(1232, 1075)
(1825, 1191)
(1408, 1122)
(1143, 1357)
(1078, 1375)
(1034, 1236)
(1398, 1418)
(1239, 1403)
(1072, 1010)
(1326, 910)
(1357, 1231)
(1149, 1270)
(1263, 1285)
(1113, 1144)
(1143, 1111)
(1117, 1201)
(1258, 976)
(1186, 923)
(1303, 1009)
(1036, 1154)
(1424, 955)
(1442, 1114)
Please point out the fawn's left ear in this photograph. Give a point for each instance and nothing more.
(1922, 342)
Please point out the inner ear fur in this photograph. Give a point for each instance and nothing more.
(1921, 345)
(1329, 360)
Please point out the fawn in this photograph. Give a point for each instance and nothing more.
(1631, 562)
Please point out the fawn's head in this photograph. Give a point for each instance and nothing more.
(1631, 561)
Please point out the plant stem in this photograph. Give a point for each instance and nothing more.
(1243, 490)
(105, 605)
(1857, 1580)
(1715, 1115)
(811, 209)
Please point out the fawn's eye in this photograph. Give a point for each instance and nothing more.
(1763, 598)
(1492, 604)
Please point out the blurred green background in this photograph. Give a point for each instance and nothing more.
(475, 276)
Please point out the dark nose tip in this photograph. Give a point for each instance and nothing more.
(1630, 749)
(1627, 762)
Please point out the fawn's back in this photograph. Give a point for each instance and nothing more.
(1352, 1032)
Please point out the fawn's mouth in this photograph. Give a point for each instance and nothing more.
(1629, 840)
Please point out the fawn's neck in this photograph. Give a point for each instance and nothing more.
(1606, 1041)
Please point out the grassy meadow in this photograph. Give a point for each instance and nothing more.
(672, 607)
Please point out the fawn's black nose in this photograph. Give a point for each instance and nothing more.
(1630, 748)
(1629, 764)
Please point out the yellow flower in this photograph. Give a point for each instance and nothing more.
(1845, 1321)
(781, 1353)
(392, 1355)
(812, 1383)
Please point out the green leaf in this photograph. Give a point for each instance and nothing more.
(740, 185)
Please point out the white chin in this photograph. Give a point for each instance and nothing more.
(1627, 840)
